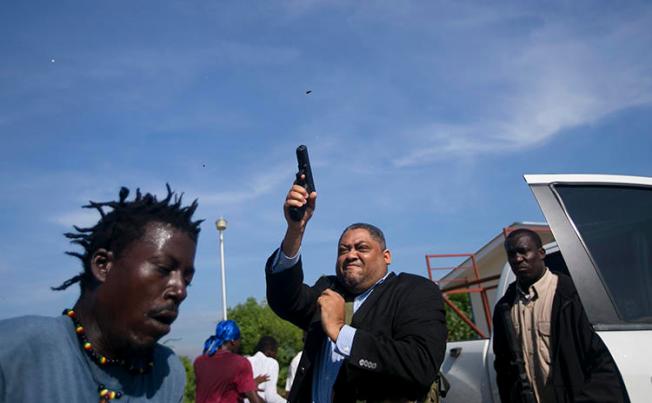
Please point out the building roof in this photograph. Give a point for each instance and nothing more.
(489, 259)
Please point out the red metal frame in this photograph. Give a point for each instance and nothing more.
(463, 316)
(466, 285)
(464, 288)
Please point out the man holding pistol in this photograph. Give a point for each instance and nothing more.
(371, 334)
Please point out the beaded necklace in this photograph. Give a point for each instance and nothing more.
(105, 393)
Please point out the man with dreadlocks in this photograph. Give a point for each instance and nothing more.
(137, 263)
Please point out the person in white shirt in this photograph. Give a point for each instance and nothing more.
(264, 363)
(292, 371)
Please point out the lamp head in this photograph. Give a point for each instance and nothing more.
(221, 224)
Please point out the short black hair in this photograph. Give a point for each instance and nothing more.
(266, 343)
(524, 232)
(374, 231)
(125, 223)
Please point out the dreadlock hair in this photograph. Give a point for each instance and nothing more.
(124, 224)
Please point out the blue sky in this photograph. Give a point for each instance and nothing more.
(423, 117)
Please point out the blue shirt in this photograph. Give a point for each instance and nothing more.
(332, 354)
(41, 360)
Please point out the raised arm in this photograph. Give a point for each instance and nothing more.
(286, 294)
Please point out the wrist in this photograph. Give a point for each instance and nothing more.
(334, 331)
(294, 230)
(292, 240)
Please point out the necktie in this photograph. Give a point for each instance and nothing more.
(348, 312)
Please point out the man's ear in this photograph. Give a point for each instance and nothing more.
(387, 255)
(101, 263)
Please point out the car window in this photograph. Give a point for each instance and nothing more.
(615, 225)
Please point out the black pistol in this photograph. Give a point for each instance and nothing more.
(296, 213)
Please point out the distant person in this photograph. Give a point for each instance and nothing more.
(264, 362)
(564, 360)
(395, 339)
(222, 375)
(292, 371)
(137, 264)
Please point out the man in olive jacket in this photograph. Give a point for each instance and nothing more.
(390, 349)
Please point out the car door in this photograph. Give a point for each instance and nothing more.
(603, 226)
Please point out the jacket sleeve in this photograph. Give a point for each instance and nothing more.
(288, 297)
(416, 349)
(602, 380)
(505, 376)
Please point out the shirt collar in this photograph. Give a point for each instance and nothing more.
(535, 289)
(366, 293)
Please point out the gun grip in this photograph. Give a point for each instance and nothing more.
(296, 213)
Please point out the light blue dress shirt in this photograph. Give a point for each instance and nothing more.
(333, 354)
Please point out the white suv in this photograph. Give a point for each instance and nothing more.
(603, 227)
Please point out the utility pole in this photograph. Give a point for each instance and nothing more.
(220, 224)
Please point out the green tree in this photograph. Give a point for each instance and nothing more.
(257, 319)
(189, 392)
(457, 329)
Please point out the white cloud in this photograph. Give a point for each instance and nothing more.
(81, 218)
(555, 80)
(255, 186)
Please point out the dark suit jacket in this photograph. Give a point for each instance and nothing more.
(399, 342)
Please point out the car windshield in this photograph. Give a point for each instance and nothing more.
(615, 224)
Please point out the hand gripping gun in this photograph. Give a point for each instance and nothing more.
(308, 183)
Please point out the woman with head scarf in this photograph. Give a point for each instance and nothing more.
(222, 375)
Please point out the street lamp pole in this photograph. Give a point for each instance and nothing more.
(220, 224)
